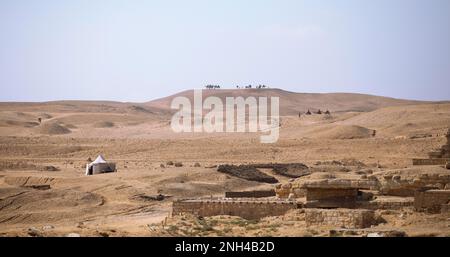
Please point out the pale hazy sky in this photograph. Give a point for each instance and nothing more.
(140, 50)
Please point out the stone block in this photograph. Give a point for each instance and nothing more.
(340, 218)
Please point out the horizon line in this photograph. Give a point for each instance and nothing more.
(219, 89)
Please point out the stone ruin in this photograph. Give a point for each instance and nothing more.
(285, 191)
(345, 205)
(250, 194)
(438, 157)
(336, 202)
(397, 185)
(432, 201)
(444, 151)
(329, 202)
(341, 218)
(336, 193)
(245, 208)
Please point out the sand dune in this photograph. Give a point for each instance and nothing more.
(409, 120)
(80, 106)
(344, 132)
(291, 103)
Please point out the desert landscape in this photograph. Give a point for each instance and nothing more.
(352, 162)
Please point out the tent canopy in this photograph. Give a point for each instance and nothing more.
(99, 159)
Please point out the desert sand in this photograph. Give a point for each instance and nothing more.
(381, 134)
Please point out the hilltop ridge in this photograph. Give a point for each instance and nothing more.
(291, 103)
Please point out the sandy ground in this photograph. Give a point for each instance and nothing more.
(140, 141)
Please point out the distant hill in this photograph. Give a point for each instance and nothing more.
(291, 103)
(352, 116)
(82, 107)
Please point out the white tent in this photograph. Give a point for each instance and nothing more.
(99, 159)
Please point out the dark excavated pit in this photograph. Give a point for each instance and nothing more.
(291, 170)
(251, 171)
(247, 172)
(150, 198)
(39, 187)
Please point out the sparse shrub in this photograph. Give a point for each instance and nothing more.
(220, 233)
(252, 227)
(172, 229)
(33, 232)
(103, 234)
(273, 229)
(213, 222)
(312, 232)
(170, 163)
(178, 164)
(227, 230)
